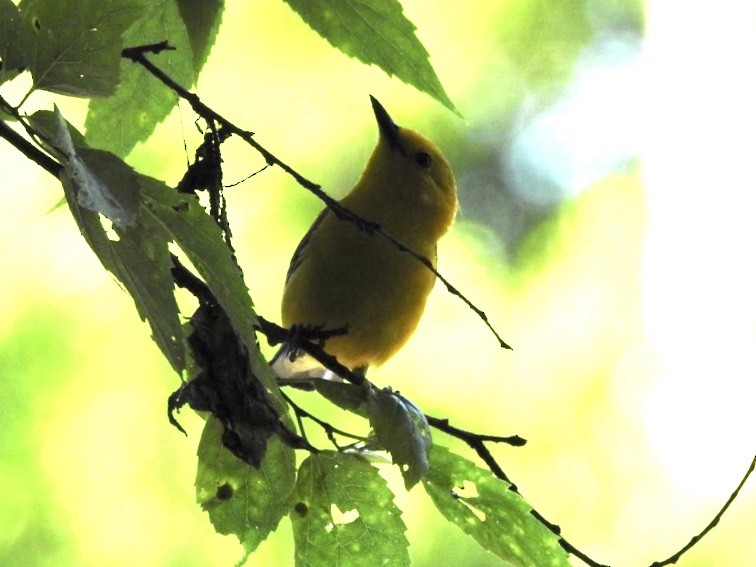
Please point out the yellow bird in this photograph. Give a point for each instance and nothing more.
(340, 276)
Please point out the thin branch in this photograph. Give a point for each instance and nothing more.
(300, 422)
(442, 424)
(477, 443)
(30, 150)
(710, 526)
(329, 429)
(277, 335)
(250, 176)
(139, 50)
(137, 55)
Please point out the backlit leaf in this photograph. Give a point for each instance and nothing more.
(377, 33)
(77, 43)
(240, 499)
(202, 19)
(343, 515)
(130, 115)
(485, 508)
(187, 223)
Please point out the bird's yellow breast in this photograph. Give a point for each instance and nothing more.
(343, 277)
(351, 279)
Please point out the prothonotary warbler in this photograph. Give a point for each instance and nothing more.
(340, 276)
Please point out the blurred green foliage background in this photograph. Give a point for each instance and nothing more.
(606, 228)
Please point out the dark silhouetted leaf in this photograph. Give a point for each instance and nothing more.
(401, 428)
(224, 384)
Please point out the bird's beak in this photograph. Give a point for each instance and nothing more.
(389, 130)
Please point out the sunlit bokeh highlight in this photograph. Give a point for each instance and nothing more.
(607, 229)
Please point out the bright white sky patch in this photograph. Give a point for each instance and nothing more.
(590, 131)
(700, 262)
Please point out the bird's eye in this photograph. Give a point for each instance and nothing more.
(423, 160)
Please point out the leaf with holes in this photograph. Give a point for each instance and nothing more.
(401, 429)
(77, 44)
(376, 33)
(138, 254)
(242, 500)
(486, 508)
(343, 515)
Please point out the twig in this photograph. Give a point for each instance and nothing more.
(710, 526)
(277, 335)
(442, 424)
(329, 429)
(30, 150)
(250, 176)
(477, 443)
(137, 55)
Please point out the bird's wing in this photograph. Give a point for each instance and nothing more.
(299, 253)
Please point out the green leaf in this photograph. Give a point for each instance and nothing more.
(118, 122)
(401, 428)
(138, 255)
(346, 396)
(16, 41)
(343, 515)
(46, 125)
(77, 48)
(239, 498)
(485, 508)
(202, 19)
(182, 217)
(103, 182)
(376, 33)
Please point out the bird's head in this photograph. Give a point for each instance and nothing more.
(408, 171)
